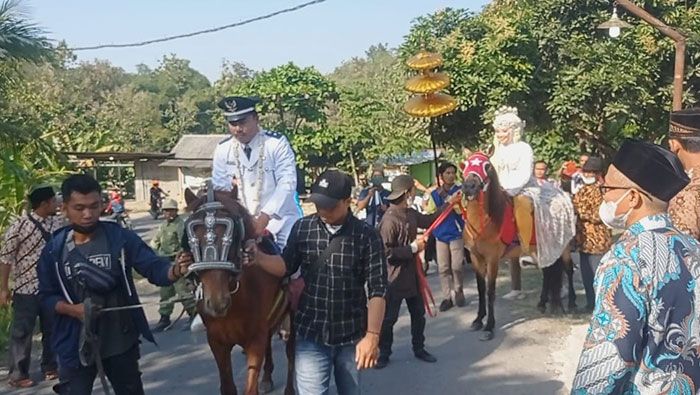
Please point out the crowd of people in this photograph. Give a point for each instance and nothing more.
(640, 289)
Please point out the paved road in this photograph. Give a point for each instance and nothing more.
(517, 361)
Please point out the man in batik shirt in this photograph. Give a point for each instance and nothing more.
(684, 141)
(644, 332)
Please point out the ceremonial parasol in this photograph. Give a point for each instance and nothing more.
(428, 101)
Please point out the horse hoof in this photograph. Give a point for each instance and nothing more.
(477, 325)
(487, 336)
(556, 310)
(266, 387)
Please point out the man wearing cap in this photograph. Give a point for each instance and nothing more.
(399, 230)
(339, 255)
(643, 335)
(167, 243)
(593, 237)
(264, 164)
(21, 248)
(684, 141)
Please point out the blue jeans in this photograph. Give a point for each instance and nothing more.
(313, 364)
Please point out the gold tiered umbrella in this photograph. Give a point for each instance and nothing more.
(429, 102)
(427, 83)
(430, 105)
(424, 60)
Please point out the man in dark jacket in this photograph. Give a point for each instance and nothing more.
(398, 229)
(92, 261)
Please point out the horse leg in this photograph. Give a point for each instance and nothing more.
(255, 353)
(222, 355)
(569, 267)
(492, 273)
(289, 389)
(266, 384)
(555, 286)
(544, 294)
(477, 324)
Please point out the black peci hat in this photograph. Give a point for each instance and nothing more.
(655, 169)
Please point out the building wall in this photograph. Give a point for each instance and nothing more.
(424, 172)
(149, 171)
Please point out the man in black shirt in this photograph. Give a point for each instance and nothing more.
(337, 328)
(92, 260)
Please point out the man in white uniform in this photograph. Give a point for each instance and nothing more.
(264, 166)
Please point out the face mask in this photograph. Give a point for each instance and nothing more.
(376, 180)
(86, 230)
(607, 214)
(589, 180)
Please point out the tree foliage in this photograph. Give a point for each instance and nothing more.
(571, 82)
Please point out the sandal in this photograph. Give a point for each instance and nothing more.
(21, 383)
(51, 375)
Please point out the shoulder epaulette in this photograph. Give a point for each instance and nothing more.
(275, 135)
(225, 140)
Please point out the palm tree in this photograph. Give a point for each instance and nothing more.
(20, 39)
(23, 157)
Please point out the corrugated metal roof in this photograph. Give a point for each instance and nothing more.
(197, 146)
(192, 163)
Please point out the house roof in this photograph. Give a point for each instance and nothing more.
(197, 146)
(194, 150)
(119, 156)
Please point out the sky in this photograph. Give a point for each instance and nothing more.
(322, 35)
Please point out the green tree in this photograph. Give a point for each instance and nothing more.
(295, 102)
(571, 82)
(369, 119)
(24, 157)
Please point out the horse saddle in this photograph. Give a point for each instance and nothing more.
(509, 229)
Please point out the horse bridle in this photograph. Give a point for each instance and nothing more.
(209, 256)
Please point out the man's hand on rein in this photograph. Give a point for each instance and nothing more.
(455, 198)
(261, 223)
(250, 250)
(182, 263)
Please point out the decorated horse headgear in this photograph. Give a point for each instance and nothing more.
(477, 164)
(213, 255)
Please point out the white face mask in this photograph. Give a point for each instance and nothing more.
(607, 214)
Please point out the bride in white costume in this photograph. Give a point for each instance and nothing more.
(553, 211)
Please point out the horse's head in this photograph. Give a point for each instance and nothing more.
(477, 175)
(216, 232)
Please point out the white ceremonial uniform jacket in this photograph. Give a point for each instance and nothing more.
(272, 163)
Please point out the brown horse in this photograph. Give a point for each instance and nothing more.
(239, 305)
(485, 204)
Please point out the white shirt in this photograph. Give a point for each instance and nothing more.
(265, 186)
(514, 164)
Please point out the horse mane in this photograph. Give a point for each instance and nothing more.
(495, 197)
